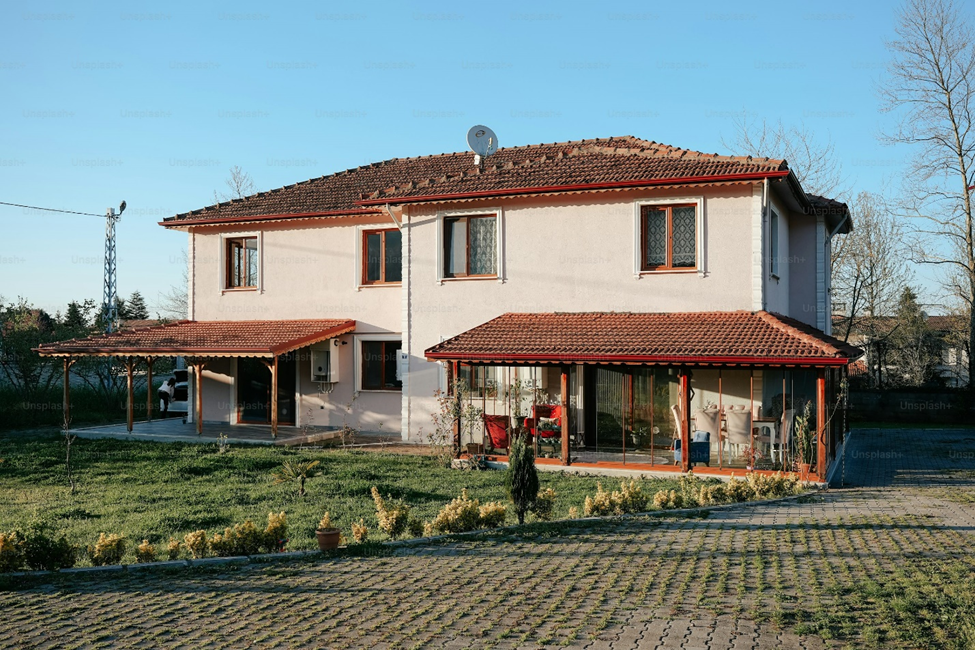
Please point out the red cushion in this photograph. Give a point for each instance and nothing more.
(497, 430)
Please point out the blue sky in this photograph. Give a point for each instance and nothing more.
(153, 103)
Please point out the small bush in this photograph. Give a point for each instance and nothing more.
(393, 516)
(172, 549)
(42, 551)
(196, 543)
(629, 499)
(359, 532)
(668, 499)
(573, 512)
(492, 515)
(109, 549)
(11, 552)
(145, 552)
(242, 539)
(325, 523)
(739, 490)
(460, 515)
(544, 504)
(600, 505)
(276, 532)
(415, 527)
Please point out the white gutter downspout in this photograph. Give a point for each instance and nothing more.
(395, 220)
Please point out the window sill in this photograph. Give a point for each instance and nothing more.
(238, 290)
(667, 271)
(381, 391)
(471, 278)
(369, 285)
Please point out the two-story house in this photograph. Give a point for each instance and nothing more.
(617, 299)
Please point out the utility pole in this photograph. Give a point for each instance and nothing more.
(110, 295)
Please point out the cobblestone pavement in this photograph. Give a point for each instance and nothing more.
(812, 573)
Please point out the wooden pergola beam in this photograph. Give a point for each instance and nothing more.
(149, 362)
(198, 365)
(685, 418)
(564, 401)
(129, 402)
(66, 406)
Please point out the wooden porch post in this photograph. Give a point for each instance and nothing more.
(455, 373)
(149, 362)
(66, 406)
(129, 402)
(685, 418)
(274, 397)
(198, 394)
(564, 401)
(821, 423)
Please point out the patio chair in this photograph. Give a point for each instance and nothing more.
(785, 436)
(739, 430)
(497, 427)
(700, 448)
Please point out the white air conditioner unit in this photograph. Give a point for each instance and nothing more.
(325, 362)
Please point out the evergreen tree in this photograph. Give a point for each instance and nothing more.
(521, 479)
(913, 347)
(135, 307)
(74, 318)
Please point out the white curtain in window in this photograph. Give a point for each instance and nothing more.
(484, 246)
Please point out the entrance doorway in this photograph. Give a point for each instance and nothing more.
(254, 391)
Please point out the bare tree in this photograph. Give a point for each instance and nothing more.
(174, 303)
(240, 184)
(812, 159)
(931, 83)
(870, 265)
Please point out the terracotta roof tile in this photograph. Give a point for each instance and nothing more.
(203, 338)
(679, 338)
(607, 160)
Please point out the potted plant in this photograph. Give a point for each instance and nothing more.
(805, 438)
(328, 536)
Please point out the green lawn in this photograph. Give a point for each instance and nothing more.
(154, 490)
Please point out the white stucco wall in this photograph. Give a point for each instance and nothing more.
(802, 276)
(307, 271)
(777, 290)
(570, 254)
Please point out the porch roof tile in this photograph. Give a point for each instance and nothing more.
(691, 338)
(259, 338)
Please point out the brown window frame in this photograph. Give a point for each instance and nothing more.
(231, 246)
(669, 266)
(467, 251)
(383, 378)
(382, 257)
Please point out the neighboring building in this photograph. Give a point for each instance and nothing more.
(871, 334)
(362, 289)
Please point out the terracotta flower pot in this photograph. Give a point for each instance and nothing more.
(328, 539)
(804, 471)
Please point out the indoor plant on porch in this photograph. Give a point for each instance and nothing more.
(805, 440)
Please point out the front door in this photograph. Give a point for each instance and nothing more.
(254, 391)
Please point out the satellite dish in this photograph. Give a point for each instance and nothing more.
(482, 140)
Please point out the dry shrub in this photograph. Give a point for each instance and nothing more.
(109, 549)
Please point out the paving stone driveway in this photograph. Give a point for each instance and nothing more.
(749, 577)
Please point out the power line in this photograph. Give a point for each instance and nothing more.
(34, 207)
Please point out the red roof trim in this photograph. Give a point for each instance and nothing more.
(635, 359)
(578, 187)
(266, 217)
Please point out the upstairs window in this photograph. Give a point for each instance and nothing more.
(470, 246)
(668, 237)
(242, 263)
(379, 365)
(382, 256)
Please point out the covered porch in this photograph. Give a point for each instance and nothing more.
(742, 391)
(266, 343)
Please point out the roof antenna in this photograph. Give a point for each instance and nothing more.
(482, 141)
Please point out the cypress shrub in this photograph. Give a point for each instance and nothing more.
(521, 479)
